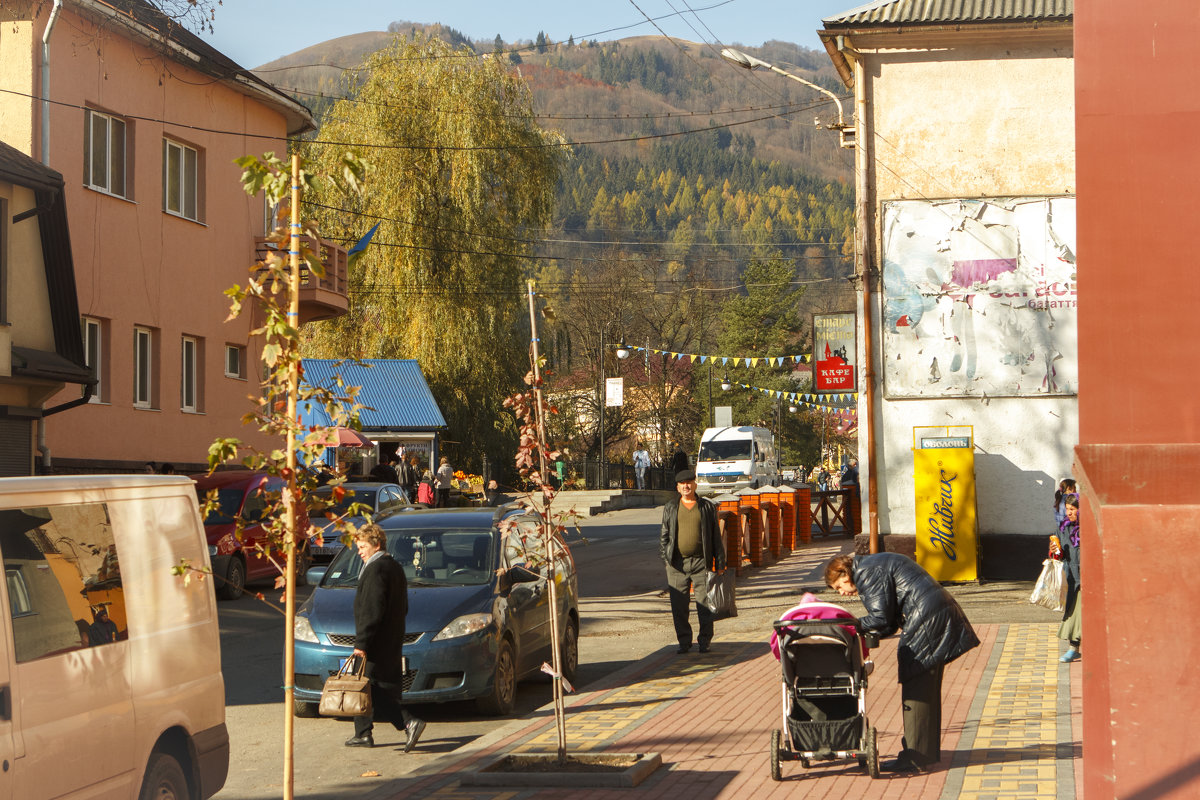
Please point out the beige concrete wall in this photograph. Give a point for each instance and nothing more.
(970, 117)
(138, 266)
(18, 74)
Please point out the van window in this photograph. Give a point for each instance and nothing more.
(63, 577)
(729, 450)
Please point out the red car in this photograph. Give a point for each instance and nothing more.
(235, 559)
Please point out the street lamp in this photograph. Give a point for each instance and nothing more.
(746, 61)
(725, 384)
(622, 351)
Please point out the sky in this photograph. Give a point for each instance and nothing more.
(253, 32)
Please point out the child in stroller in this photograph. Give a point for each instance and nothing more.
(825, 668)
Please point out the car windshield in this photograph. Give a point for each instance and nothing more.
(430, 557)
(229, 503)
(736, 449)
(364, 496)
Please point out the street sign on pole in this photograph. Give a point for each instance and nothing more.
(614, 392)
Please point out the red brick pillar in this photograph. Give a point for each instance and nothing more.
(855, 504)
(804, 514)
(787, 518)
(768, 500)
(751, 512)
(731, 530)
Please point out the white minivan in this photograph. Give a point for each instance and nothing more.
(735, 458)
(110, 666)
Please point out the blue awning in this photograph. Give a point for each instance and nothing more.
(394, 390)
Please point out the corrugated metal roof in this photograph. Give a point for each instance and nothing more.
(920, 12)
(394, 388)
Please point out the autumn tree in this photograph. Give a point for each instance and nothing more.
(461, 173)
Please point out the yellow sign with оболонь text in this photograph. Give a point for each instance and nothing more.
(944, 482)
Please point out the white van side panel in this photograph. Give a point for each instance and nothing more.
(85, 720)
(175, 644)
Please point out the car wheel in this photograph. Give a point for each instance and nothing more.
(235, 580)
(303, 708)
(570, 650)
(503, 696)
(164, 779)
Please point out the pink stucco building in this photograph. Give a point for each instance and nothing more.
(144, 121)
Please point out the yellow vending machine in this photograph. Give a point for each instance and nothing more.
(944, 482)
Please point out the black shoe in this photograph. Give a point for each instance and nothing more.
(360, 741)
(900, 765)
(683, 648)
(704, 647)
(415, 727)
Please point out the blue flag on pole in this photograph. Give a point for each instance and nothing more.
(364, 241)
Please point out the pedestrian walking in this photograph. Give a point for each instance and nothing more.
(850, 473)
(690, 546)
(897, 592)
(443, 481)
(823, 479)
(380, 605)
(1068, 547)
(425, 493)
(679, 459)
(641, 462)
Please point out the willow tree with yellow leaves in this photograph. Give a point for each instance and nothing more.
(464, 180)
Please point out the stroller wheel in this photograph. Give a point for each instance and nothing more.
(776, 745)
(872, 754)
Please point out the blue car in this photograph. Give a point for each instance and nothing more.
(478, 608)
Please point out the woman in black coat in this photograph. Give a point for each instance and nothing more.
(380, 605)
(897, 594)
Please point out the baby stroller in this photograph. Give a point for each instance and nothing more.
(824, 695)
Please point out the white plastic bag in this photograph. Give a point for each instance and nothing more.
(1050, 591)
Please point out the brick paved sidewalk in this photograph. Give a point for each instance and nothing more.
(1010, 717)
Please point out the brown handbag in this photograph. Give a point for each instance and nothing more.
(346, 694)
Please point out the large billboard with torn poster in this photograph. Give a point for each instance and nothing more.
(979, 298)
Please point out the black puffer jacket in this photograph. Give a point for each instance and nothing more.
(898, 593)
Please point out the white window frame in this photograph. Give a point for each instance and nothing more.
(93, 354)
(143, 367)
(115, 149)
(181, 180)
(240, 352)
(189, 386)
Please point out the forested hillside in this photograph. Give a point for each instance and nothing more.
(698, 207)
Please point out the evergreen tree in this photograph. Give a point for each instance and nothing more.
(540, 43)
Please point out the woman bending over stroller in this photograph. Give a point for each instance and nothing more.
(895, 588)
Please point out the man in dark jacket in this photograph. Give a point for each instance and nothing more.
(897, 592)
(380, 605)
(679, 459)
(690, 545)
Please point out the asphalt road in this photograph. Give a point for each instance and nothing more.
(624, 617)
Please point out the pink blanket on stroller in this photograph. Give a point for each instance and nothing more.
(812, 608)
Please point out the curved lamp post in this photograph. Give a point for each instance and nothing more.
(747, 61)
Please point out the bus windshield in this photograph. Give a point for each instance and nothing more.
(732, 450)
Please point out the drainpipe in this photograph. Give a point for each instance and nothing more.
(863, 234)
(42, 448)
(46, 81)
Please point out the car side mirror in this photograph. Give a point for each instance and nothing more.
(522, 574)
(314, 574)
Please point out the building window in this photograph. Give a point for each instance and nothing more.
(235, 361)
(189, 388)
(143, 368)
(271, 216)
(181, 174)
(93, 354)
(104, 167)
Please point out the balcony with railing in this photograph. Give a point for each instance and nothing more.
(320, 297)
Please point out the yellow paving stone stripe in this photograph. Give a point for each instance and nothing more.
(1013, 754)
